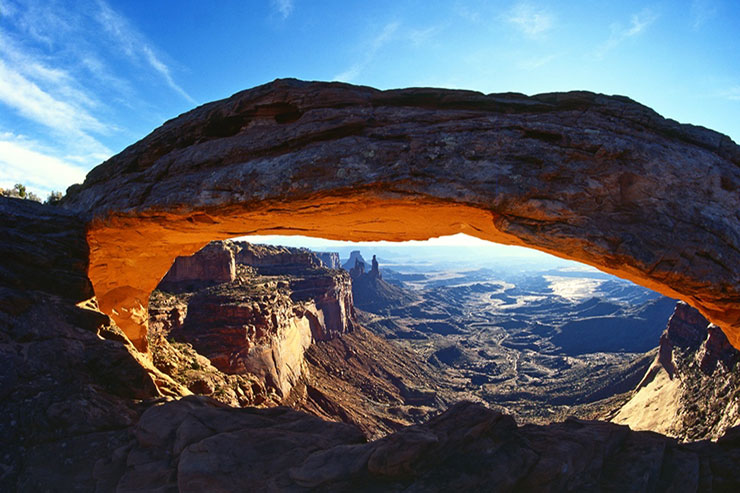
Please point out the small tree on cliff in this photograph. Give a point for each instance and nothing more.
(19, 191)
(54, 198)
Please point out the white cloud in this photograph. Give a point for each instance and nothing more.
(22, 162)
(370, 50)
(135, 46)
(59, 82)
(56, 79)
(283, 7)
(420, 37)
(467, 13)
(531, 21)
(33, 103)
(536, 62)
(385, 36)
(350, 74)
(100, 71)
(638, 23)
(733, 93)
(701, 12)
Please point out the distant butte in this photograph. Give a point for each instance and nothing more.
(598, 179)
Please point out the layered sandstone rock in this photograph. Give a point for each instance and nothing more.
(599, 179)
(256, 330)
(371, 293)
(330, 260)
(377, 385)
(213, 264)
(260, 323)
(692, 389)
(355, 259)
(241, 333)
(275, 260)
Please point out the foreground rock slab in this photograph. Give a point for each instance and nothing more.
(195, 445)
(599, 179)
(71, 385)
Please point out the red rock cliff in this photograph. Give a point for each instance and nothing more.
(262, 321)
(214, 263)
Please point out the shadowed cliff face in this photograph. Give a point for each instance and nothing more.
(598, 179)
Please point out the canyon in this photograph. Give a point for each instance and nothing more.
(283, 330)
(111, 384)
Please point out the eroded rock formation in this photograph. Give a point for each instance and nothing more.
(213, 264)
(355, 258)
(70, 382)
(284, 332)
(692, 389)
(329, 259)
(272, 260)
(370, 292)
(260, 322)
(599, 179)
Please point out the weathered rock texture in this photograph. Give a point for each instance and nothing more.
(355, 258)
(260, 322)
(275, 260)
(70, 382)
(692, 389)
(599, 179)
(371, 293)
(329, 259)
(213, 263)
(248, 328)
(193, 445)
(376, 385)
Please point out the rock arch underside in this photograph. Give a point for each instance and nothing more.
(598, 179)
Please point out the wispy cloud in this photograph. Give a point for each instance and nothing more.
(65, 74)
(733, 93)
(60, 80)
(466, 12)
(536, 62)
(283, 7)
(135, 46)
(370, 51)
(420, 37)
(701, 12)
(639, 22)
(35, 104)
(533, 22)
(22, 162)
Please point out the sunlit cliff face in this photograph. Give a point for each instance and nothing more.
(598, 179)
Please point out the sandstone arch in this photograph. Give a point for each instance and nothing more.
(599, 179)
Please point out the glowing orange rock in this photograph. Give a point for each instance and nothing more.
(598, 179)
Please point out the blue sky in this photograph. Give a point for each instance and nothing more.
(79, 81)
